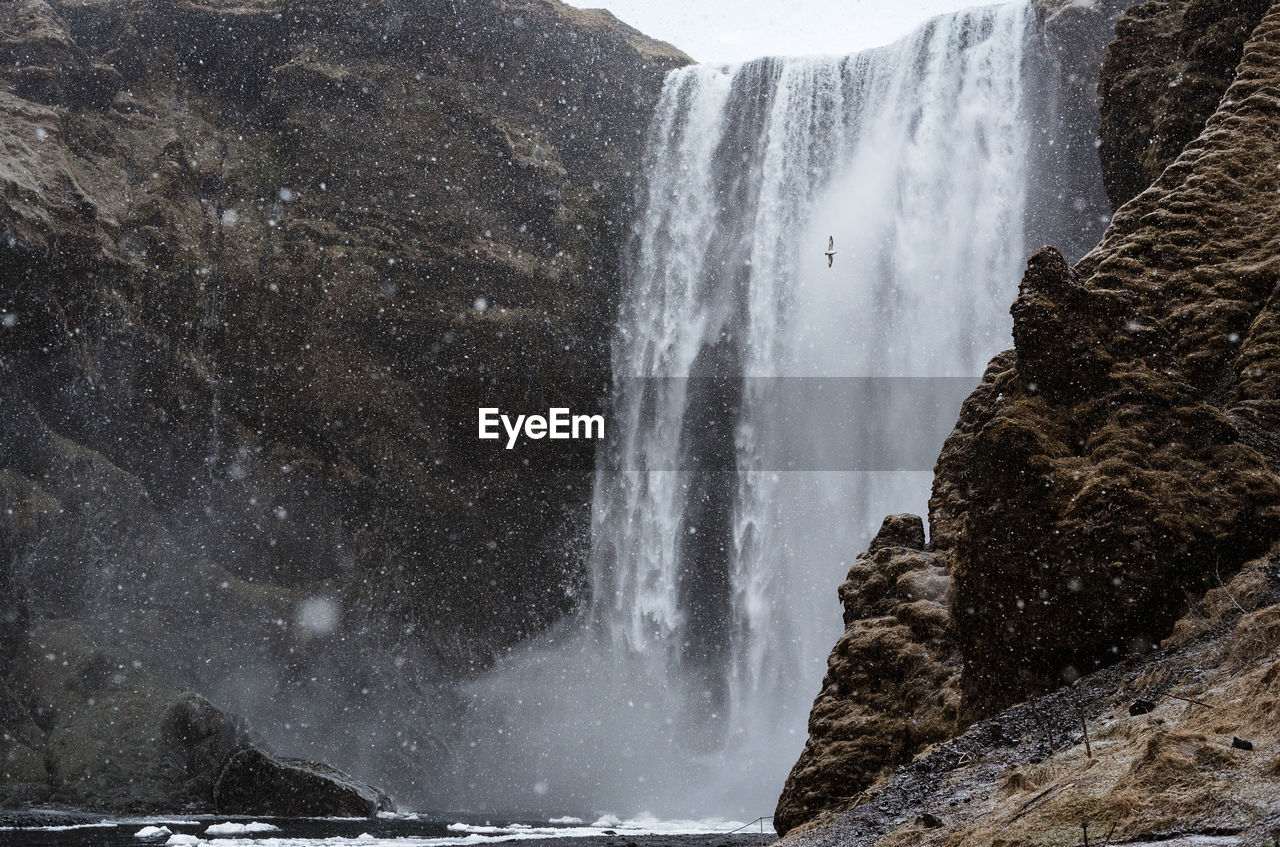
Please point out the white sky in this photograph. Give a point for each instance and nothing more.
(735, 30)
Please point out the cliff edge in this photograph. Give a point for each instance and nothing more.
(1112, 468)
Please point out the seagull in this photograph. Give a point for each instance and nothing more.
(831, 250)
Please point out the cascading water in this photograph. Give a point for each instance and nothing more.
(686, 690)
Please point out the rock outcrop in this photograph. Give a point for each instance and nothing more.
(892, 683)
(253, 782)
(1162, 79)
(1171, 775)
(97, 732)
(260, 262)
(1125, 460)
(1122, 459)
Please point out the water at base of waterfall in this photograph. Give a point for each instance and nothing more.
(58, 829)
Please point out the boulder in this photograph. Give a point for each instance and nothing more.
(201, 739)
(105, 734)
(899, 531)
(892, 682)
(254, 782)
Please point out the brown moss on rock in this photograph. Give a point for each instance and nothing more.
(1168, 776)
(1163, 77)
(1120, 461)
(891, 682)
(1111, 475)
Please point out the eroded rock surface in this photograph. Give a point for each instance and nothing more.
(1162, 79)
(260, 262)
(1110, 477)
(1026, 777)
(253, 782)
(1121, 460)
(892, 682)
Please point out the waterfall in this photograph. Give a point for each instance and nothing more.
(686, 689)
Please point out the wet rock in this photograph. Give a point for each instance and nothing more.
(253, 782)
(221, 194)
(891, 682)
(899, 531)
(203, 738)
(45, 817)
(110, 736)
(1164, 75)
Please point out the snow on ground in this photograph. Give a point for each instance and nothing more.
(256, 834)
(153, 832)
(62, 827)
(240, 828)
(604, 825)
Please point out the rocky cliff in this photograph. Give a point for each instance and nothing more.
(260, 262)
(1114, 466)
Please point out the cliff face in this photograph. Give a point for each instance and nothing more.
(1161, 765)
(893, 681)
(1127, 458)
(1121, 460)
(259, 265)
(1162, 79)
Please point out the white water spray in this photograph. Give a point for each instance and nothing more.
(686, 690)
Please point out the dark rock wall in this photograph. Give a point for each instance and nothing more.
(1162, 79)
(1121, 460)
(1127, 459)
(260, 262)
(1069, 204)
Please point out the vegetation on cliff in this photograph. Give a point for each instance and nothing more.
(1121, 460)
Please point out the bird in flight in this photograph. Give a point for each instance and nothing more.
(831, 250)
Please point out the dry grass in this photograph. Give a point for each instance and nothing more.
(1172, 770)
(1256, 637)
